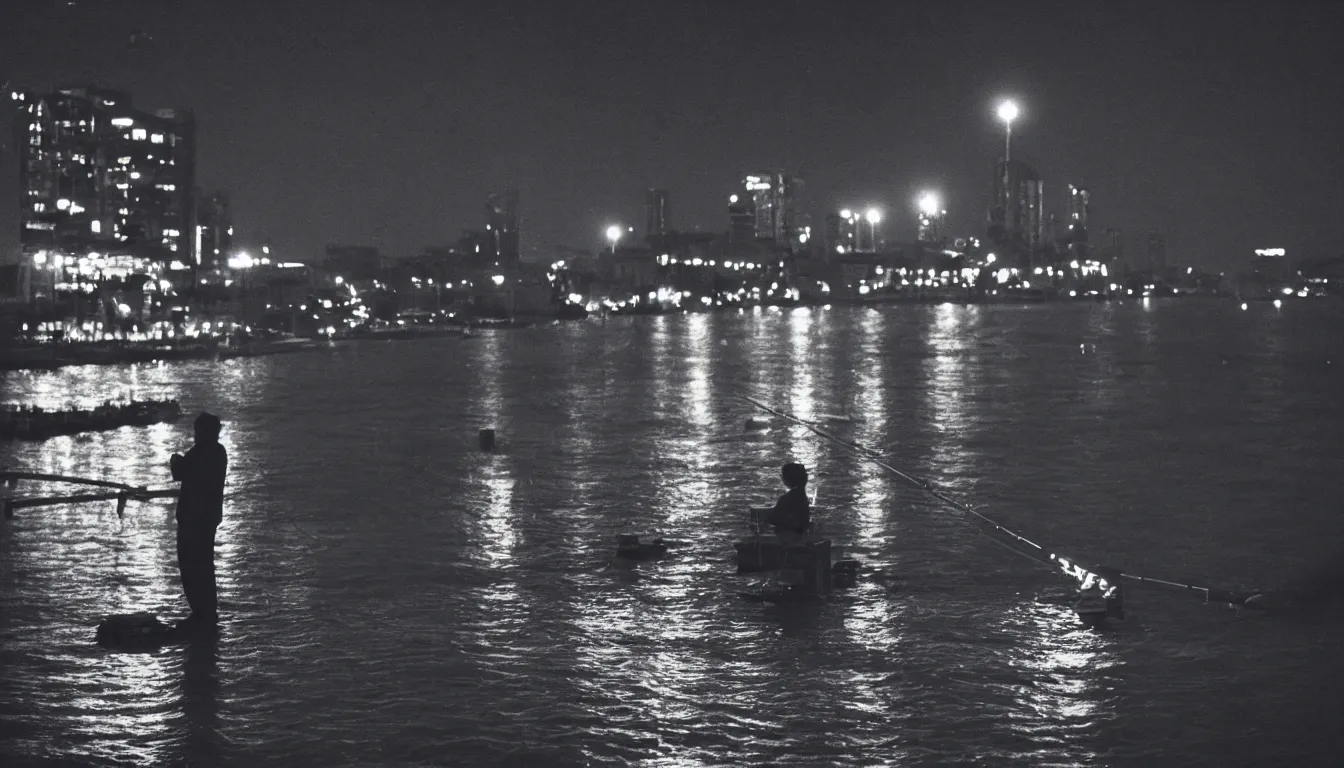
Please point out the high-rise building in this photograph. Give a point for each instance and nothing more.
(1079, 207)
(1157, 251)
(656, 214)
(741, 219)
(214, 230)
(98, 175)
(502, 223)
(842, 232)
(1018, 217)
(931, 223)
(771, 198)
(1113, 246)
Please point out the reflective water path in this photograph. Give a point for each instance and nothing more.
(393, 596)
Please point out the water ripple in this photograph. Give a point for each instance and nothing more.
(393, 596)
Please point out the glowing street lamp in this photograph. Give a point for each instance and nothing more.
(874, 217)
(930, 217)
(614, 234)
(929, 204)
(1008, 113)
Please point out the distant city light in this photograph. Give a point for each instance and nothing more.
(874, 216)
(732, 198)
(929, 204)
(614, 233)
(498, 279)
(1270, 252)
(1008, 111)
(845, 213)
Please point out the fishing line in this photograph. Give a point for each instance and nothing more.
(1039, 553)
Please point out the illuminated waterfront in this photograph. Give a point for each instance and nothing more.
(392, 595)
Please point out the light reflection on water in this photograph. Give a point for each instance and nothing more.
(389, 589)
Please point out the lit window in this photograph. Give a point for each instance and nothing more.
(156, 138)
(96, 226)
(124, 160)
(62, 204)
(123, 122)
(139, 134)
(135, 174)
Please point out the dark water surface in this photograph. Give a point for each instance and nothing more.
(393, 596)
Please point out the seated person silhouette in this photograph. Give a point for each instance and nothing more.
(791, 517)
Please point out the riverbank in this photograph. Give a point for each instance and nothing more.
(52, 357)
(36, 358)
(56, 356)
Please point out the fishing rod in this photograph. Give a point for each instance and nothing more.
(1039, 553)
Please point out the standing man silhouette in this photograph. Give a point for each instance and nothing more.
(200, 508)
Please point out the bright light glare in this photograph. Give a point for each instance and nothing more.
(929, 203)
(1008, 111)
(874, 216)
(498, 279)
(614, 232)
(845, 213)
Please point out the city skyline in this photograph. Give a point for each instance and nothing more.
(314, 148)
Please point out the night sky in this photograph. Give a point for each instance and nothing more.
(1218, 124)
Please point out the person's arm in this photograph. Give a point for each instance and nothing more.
(182, 466)
(765, 515)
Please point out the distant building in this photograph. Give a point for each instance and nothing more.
(848, 232)
(1157, 251)
(1079, 207)
(214, 230)
(98, 175)
(656, 214)
(502, 222)
(931, 225)
(741, 219)
(1113, 246)
(1018, 217)
(353, 262)
(769, 199)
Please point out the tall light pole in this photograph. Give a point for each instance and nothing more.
(614, 234)
(1008, 113)
(874, 217)
(931, 217)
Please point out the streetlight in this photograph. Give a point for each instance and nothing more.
(930, 217)
(1008, 113)
(929, 204)
(874, 217)
(613, 234)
